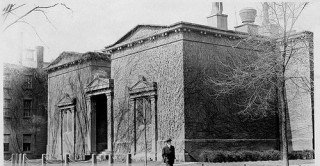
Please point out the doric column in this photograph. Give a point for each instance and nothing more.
(154, 126)
(110, 122)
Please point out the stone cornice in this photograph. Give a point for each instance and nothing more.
(67, 102)
(102, 84)
(107, 91)
(298, 37)
(66, 65)
(182, 27)
(86, 57)
(148, 88)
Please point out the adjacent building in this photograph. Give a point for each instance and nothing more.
(25, 105)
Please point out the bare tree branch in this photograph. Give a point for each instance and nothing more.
(27, 13)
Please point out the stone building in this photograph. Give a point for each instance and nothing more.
(25, 105)
(150, 85)
(159, 72)
(300, 92)
(68, 118)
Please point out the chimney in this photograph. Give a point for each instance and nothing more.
(267, 28)
(217, 19)
(248, 16)
(39, 54)
(265, 10)
(20, 48)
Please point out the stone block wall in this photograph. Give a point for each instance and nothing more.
(158, 61)
(299, 92)
(188, 112)
(71, 81)
(214, 123)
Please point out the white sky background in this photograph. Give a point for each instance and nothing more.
(94, 24)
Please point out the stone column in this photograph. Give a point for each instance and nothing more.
(110, 123)
(154, 125)
(88, 103)
(132, 125)
(93, 126)
(74, 109)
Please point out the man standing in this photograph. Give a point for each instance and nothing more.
(168, 153)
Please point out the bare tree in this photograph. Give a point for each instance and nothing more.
(263, 72)
(20, 13)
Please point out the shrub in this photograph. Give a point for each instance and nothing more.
(247, 155)
(229, 156)
(216, 156)
(309, 154)
(305, 154)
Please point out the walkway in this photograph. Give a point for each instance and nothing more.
(105, 163)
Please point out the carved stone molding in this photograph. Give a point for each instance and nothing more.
(100, 86)
(144, 89)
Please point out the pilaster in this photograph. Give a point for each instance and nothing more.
(132, 125)
(93, 127)
(110, 120)
(88, 103)
(154, 126)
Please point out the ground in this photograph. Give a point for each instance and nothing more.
(105, 163)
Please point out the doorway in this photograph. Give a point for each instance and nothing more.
(101, 123)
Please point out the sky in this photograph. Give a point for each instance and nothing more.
(92, 25)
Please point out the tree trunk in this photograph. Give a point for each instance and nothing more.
(283, 113)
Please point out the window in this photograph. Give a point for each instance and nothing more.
(6, 145)
(67, 121)
(29, 82)
(26, 142)
(7, 80)
(29, 55)
(6, 107)
(7, 103)
(70, 121)
(143, 106)
(6, 93)
(27, 108)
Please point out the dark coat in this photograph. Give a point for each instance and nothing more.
(168, 154)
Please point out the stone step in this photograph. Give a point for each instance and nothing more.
(102, 155)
